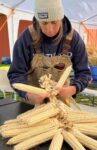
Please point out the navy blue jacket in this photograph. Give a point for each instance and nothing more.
(23, 54)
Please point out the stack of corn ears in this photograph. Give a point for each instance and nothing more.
(53, 121)
(50, 122)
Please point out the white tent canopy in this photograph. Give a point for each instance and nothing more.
(76, 10)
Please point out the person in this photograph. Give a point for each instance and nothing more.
(49, 45)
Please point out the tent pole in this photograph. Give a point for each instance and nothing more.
(11, 34)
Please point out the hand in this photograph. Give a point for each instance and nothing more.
(35, 98)
(66, 91)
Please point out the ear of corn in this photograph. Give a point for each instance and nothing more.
(85, 140)
(11, 121)
(34, 131)
(36, 111)
(13, 132)
(82, 118)
(57, 142)
(72, 100)
(64, 77)
(27, 113)
(42, 116)
(62, 81)
(88, 130)
(72, 141)
(6, 132)
(33, 141)
(78, 112)
(86, 124)
(14, 126)
(66, 101)
(28, 88)
(64, 107)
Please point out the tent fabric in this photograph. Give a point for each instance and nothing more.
(84, 10)
(92, 38)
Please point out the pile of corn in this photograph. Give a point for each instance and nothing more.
(53, 121)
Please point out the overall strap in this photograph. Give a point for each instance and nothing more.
(34, 36)
(67, 42)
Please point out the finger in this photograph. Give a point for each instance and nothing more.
(43, 96)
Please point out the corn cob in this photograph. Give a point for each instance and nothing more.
(10, 132)
(42, 116)
(66, 101)
(37, 111)
(13, 132)
(88, 130)
(82, 119)
(57, 142)
(14, 126)
(64, 77)
(34, 131)
(86, 124)
(64, 106)
(7, 131)
(72, 100)
(19, 125)
(72, 140)
(30, 111)
(11, 121)
(85, 140)
(82, 112)
(74, 112)
(36, 140)
(74, 117)
(28, 88)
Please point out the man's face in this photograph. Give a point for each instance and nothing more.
(50, 28)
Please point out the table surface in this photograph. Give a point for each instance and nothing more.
(9, 109)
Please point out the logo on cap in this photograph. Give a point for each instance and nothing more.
(43, 15)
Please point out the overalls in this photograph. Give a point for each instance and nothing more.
(55, 65)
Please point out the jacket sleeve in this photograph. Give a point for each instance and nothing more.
(20, 64)
(82, 74)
